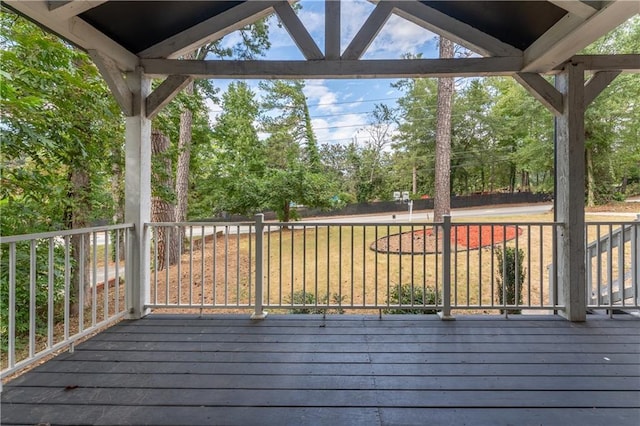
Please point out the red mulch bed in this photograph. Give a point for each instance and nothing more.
(463, 237)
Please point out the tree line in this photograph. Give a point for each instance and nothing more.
(63, 140)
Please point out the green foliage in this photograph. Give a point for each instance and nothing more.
(308, 300)
(23, 293)
(301, 297)
(57, 118)
(510, 277)
(407, 295)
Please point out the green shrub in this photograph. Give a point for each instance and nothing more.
(506, 277)
(307, 299)
(407, 294)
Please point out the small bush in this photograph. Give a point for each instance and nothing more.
(506, 277)
(407, 294)
(307, 299)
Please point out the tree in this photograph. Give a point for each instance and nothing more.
(442, 198)
(292, 174)
(236, 165)
(415, 141)
(55, 172)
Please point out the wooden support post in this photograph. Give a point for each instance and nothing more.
(138, 195)
(569, 204)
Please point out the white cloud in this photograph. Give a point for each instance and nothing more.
(339, 129)
(398, 37)
(320, 95)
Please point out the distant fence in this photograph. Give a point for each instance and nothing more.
(457, 202)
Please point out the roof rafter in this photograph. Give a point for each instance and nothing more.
(577, 7)
(210, 30)
(297, 31)
(456, 31)
(572, 34)
(76, 31)
(67, 9)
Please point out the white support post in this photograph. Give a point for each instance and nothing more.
(138, 195)
(445, 314)
(570, 174)
(259, 313)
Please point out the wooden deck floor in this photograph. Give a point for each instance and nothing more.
(345, 370)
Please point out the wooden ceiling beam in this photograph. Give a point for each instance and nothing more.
(395, 68)
(210, 30)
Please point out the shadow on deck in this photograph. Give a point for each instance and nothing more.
(343, 370)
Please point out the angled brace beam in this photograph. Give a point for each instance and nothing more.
(369, 31)
(597, 84)
(542, 90)
(114, 79)
(165, 92)
(297, 31)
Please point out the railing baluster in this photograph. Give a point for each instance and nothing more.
(105, 285)
(94, 281)
(259, 312)
(12, 305)
(50, 312)
(445, 314)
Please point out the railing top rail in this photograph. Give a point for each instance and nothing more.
(613, 222)
(147, 224)
(406, 224)
(63, 233)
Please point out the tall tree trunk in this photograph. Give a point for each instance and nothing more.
(77, 218)
(162, 210)
(591, 198)
(414, 179)
(184, 158)
(117, 194)
(442, 199)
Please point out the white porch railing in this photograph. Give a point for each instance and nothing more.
(298, 267)
(333, 267)
(613, 265)
(48, 301)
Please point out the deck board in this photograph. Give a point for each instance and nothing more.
(354, 370)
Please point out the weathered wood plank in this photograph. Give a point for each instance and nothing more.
(303, 382)
(329, 358)
(406, 369)
(339, 370)
(324, 338)
(114, 415)
(507, 416)
(604, 348)
(322, 398)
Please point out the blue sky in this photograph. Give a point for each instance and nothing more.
(339, 108)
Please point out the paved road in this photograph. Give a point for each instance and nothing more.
(427, 215)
